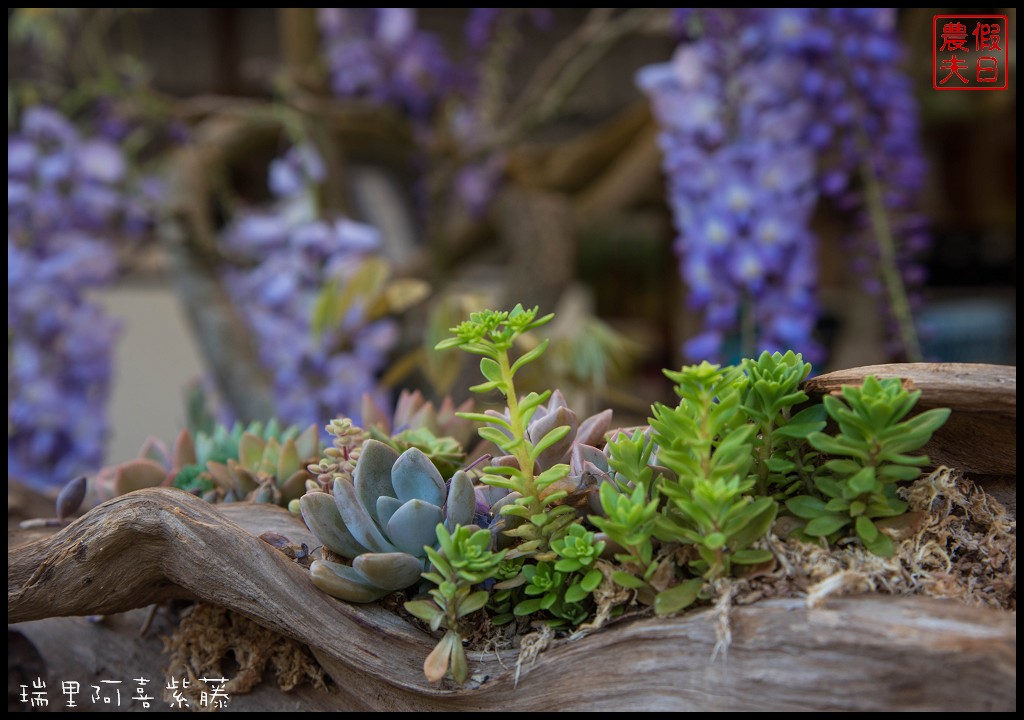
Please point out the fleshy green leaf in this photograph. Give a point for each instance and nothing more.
(678, 597)
(751, 557)
(826, 525)
(805, 506)
(866, 530)
(628, 581)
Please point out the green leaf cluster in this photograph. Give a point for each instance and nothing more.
(782, 460)
(709, 441)
(870, 455)
(563, 589)
(535, 517)
(464, 560)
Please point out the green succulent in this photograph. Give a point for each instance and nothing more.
(437, 431)
(463, 558)
(266, 470)
(782, 460)
(383, 521)
(870, 455)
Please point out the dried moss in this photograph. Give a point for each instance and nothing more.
(214, 642)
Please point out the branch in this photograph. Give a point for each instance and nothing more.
(865, 653)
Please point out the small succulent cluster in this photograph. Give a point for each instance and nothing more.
(437, 431)
(662, 512)
(256, 462)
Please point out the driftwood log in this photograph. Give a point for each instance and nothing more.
(857, 653)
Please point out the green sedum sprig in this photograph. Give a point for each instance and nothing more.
(563, 588)
(492, 334)
(870, 455)
(464, 560)
(707, 441)
(782, 460)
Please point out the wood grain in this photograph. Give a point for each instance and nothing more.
(864, 653)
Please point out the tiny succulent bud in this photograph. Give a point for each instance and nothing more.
(70, 498)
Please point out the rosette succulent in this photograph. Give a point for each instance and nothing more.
(261, 462)
(266, 470)
(437, 431)
(383, 521)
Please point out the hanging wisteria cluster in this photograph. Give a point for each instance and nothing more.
(382, 56)
(69, 197)
(762, 112)
(284, 257)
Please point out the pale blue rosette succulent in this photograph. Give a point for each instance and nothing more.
(383, 520)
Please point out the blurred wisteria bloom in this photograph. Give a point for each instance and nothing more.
(70, 198)
(285, 256)
(380, 54)
(761, 114)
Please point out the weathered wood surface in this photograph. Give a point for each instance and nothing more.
(980, 436)
(863, 653)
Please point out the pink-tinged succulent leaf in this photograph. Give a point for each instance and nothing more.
(138, 475)
(374, 416)
(156, 450)
(435, 667)
(221, 476)
(250, 451)
(593, 429)
(556, 453)
(184, 451)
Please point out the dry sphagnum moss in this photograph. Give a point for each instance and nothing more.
(209, 640)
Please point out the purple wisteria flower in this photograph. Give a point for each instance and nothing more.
(741, 191)
(285, 256)
(381, 55)
(69, 199)
(760, 114)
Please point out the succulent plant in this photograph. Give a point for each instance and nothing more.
(383, 520)
(437, 431)
(555, 414)
(414, 412)
(154, 466)
(268, 470)
(220, 465)
(339, 460)
(577, 449)
(626, 460)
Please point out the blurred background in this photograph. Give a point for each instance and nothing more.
(281, 211)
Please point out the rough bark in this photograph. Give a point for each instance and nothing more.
(862, 653)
